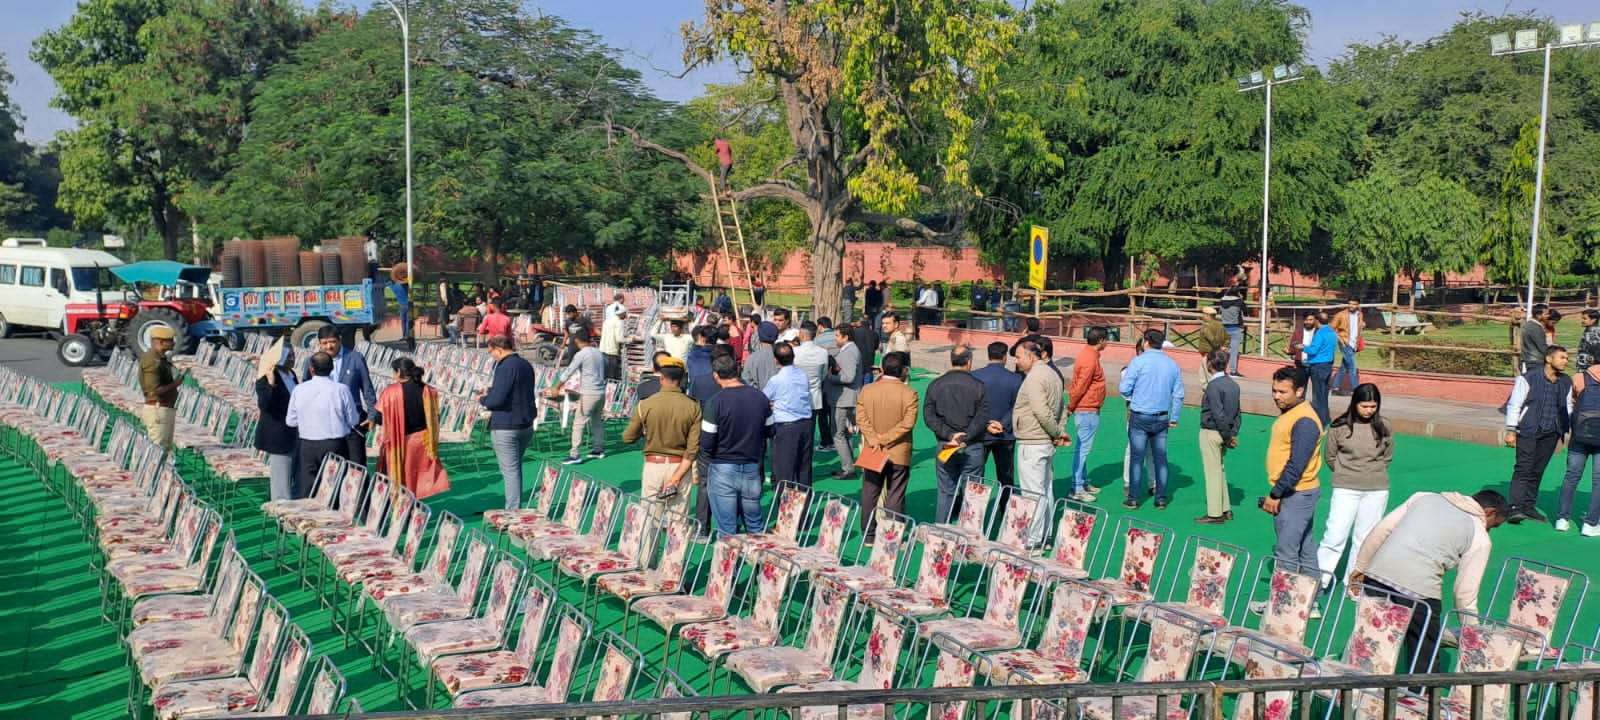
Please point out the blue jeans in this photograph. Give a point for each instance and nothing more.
(1319, 374)
(1147, 433)
(405, 322)
(1087, 423)
(509, 447)
(1235, 344)
(1578, 454)
(951, 474)
(1348, 367)
(735, 491)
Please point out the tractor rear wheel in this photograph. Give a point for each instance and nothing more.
(139, 339)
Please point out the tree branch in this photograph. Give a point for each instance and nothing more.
(901, 223)
(778, 190)
(643, 143)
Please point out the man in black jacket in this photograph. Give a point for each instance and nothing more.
(1538, 417)
(273, 434)
(509, 401)
(956, 409)
(1219, 432)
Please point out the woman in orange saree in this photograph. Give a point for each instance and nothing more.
(409, 413)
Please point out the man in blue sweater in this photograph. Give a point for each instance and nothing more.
(1319, 361)
(734, 429)
(510, 405)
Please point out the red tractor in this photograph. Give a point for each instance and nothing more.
(95, 329)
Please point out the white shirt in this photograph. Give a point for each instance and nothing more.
(675, 345)
(790, 335)
(614, 309)
(1355, 327)
(813, 360)
(928, 298)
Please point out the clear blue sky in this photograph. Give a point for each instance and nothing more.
(646, 32)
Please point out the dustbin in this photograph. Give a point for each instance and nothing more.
(1012, 323)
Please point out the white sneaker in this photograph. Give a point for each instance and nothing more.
(1590, 530)
(1563, 525)
(1258, 607)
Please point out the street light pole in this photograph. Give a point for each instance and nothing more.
(1266, 211)
(405, 54)
(1526, 41)
(1264, 80)
(1538, 178)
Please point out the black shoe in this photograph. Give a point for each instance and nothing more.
(1515, 517)
(1210, 520)
(1131, 504)
(1237, 374)
(1161, 503)
(1534, 515)
(841, 475)
(1227, 515)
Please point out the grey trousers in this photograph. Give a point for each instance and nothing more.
(1036, 474)
(1297, 544)
(510, 445)
(281, 476)
(843, 419)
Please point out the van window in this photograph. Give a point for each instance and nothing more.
(8, 274)
(89, 279)
(58, 280)
(32, 276)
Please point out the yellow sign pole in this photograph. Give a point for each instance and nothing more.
(1038, 256)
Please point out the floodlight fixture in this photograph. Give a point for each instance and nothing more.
(1594, 32)
(1570, 34)
(1525, 40)
(1499, 43)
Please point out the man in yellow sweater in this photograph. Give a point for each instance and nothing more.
(1294, 455)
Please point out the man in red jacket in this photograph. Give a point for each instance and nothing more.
(1085, 396)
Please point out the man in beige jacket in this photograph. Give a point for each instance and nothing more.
(886, 413)
(1037, 420)
(1409, 551)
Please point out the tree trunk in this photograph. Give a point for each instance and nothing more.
(488, 256)
(827, 265)
(169, 222)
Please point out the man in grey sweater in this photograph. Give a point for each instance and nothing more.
(1534, 343)
(1411, 549)
(1219, 432)
(1037, 419)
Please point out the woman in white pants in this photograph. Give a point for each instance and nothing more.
(1358, 448)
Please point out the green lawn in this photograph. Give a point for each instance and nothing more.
(63, 661)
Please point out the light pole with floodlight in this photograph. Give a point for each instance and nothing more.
(1258, 80)
(405, 55)
(1526, 41)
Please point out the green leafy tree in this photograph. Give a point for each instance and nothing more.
(1391, 227)
(1507, 234)
(510, 152)
(1162, 155)
(882, 101)
(161, 91)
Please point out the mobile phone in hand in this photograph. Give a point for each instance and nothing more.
(669, 491)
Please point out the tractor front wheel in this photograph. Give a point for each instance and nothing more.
(76, 350)
(139, 339)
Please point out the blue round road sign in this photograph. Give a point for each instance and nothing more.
(1038, 249)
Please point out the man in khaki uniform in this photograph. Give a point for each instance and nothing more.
(160, 385)
(669, 421)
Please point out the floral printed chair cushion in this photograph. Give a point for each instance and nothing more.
(570, 636)
(549, 473)
(1484, 645)
(1141, 555)
(637, 527)
(1000, 627)
(831, 528)
(550, 547)
(1210, 574)
(1373, 647)
(879, 571)
(1021, 509)
(768, 667)
(1537, 604)
(475, 671)
(579, 503)
(784, 528)
(670, 611)
(431, 640)
(1058, 657)
(951, 671)
(929, 595)
(1176, 642)
(666, 578)
(716, 638)
(439, 603)
(244, 692)
(1265, 660)
(1283, 623)
(878, 665)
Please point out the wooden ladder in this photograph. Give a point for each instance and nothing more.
(731, 232)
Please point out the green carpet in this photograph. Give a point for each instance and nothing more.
(61, 660)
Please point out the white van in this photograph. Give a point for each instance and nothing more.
(37, 282)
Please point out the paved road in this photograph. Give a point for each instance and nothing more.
(36, 356)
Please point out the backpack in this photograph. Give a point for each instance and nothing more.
(1586, 412)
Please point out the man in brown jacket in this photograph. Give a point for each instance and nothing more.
(1040, 429)
(1348, 325)
(886, 412)
(1213, 337)
(669, 422)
